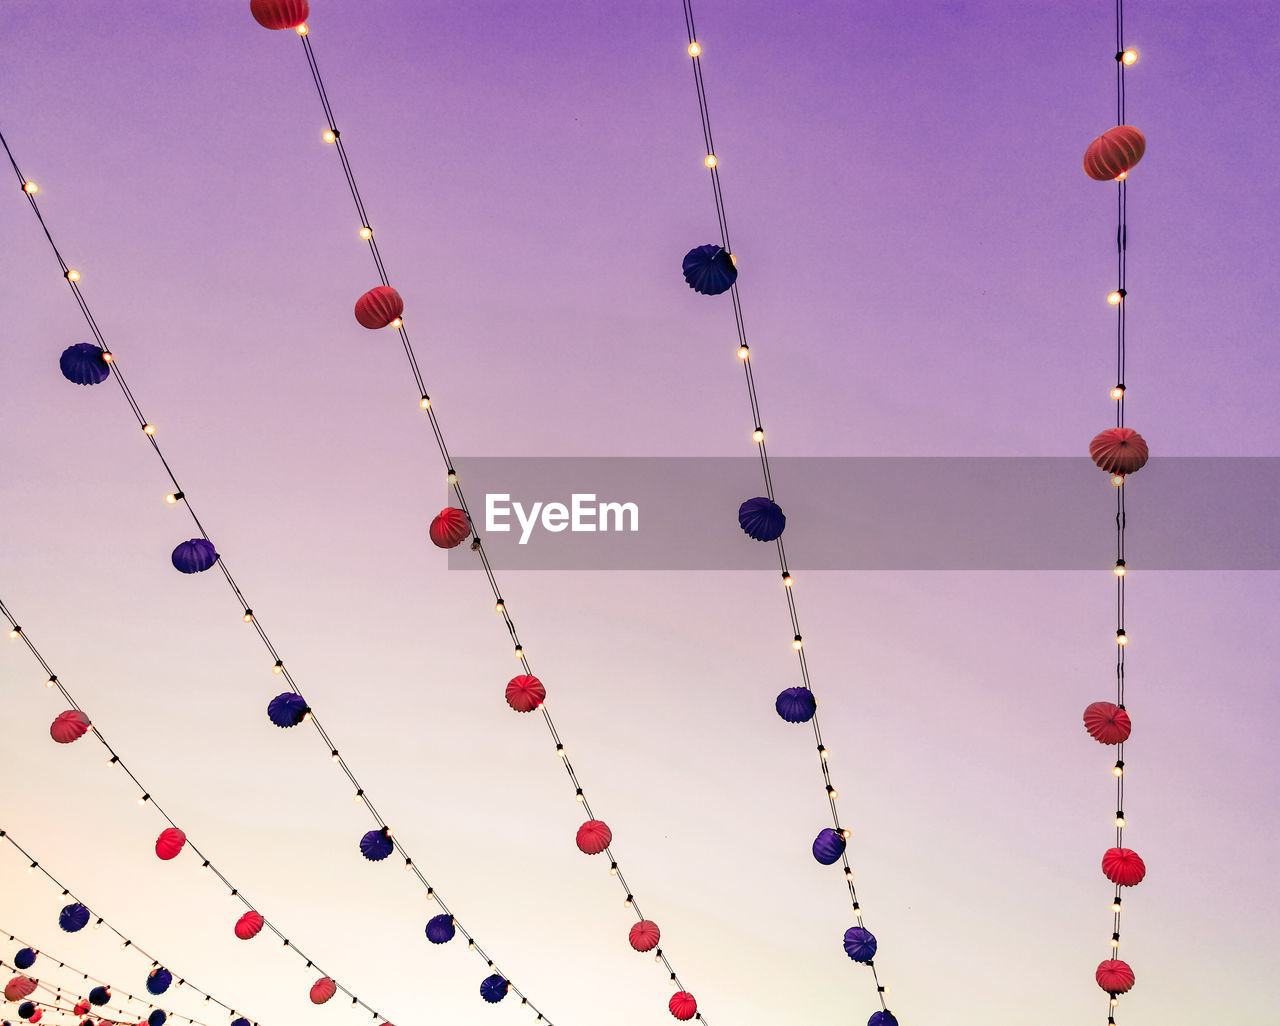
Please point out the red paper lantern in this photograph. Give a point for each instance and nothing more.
(279, 14)
(379, 307)
(1119, 450)
(322, 990)
(37, 1015)
(644, 935)
(82, 1007)
(249, 925)
(1107, 723)
(594, 836)
(170, 843)
(449, 528)
(683, 1005)
(1123, 866)
(1114, 152)
(525, 693)
(1114, 976)
(18, 988)
(68, 726)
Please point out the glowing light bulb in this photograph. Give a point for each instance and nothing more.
(113, 760)
(846, 834)
(408, 864)
(519, 652)
(1121, 637)
(580, 797)
(744, 352)
(798, 643)
(499, 606)
(1121, 176)
(1118, 768)
(144, 799)
(30, 188)
(786, 579)
(560, 751)
(51, 682)
(613, 869)
(359, 797)
(822, 752)
(1115, 905)
(758, 434)
(279, 667)
(1119, 819)
(330, 136)
(73, 275)
(627, 902)
(248, 616)
(334, 756)
(1117, 392)
(107, 357)
(452, 477)
(431, 894)
(1129, 58)
(1115, 941)
(857, 911)
(848, 874)
(1115, 297)
(1120, 568)
(832, 792)
(148, 429)
(16, 632)
(302, 29)
(425, 402)
(1117, 480)
(710, 160)
(173, 497)
(695, 49)
(366, 232)
(204, 865)
(1114, 1002)
(31, 868)
(397, 322)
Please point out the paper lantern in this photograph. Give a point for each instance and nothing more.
(1107, 723)
(644, 935)
(26, 1010)
(73, 917)
(322, 990)
(859, 944)
(525, 693)
(594, 836)
(24, 959)
(82, 364)
(18, 988)
(683, 1005)
(279, 14)
(69, 726)
(762, 519)
(882, 1019)
(1114, 152)
(1114, 976)
(194, 556)
(37, 1015)
(240, 1022)
(709, 270)
(493, 988)
(440, 929)
(379, 307)
(82, 1006)
(158, 981)
(1119, 450)
(828, 846)
(1122, 866)
(796, 705)
(156, 1018)
(449, 528)
(170, 843)
(287, 710)
(376, 845)
(249, 925)
(99, 996)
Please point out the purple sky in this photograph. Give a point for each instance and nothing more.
(923, 271)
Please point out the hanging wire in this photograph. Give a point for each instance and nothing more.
(101, 921)
(179, 495)
(744, 355)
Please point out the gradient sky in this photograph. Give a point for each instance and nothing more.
(923, 269)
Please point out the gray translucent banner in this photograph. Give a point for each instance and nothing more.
(871, 513)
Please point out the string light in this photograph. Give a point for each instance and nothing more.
(1116, 297)
(174, 497)
(710, 160)
(30, 188)
(695, 49)
(366, 232)
(149, 429)
(744, 352)
(72, 274)
(425, 402)
(1117, 392)
(1129, 58)
(330, 136)
(758, 434)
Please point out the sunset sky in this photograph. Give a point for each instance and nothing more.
(923, 271)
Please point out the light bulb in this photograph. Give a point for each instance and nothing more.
(695, 49)
(846, 834)
(832, 792)
(51, 682)
(1121, 176)
(744, 352)
(848, 874)
(31, 868)
(452, 477)
(366, 232)
(397, 322)
(359, 797)
(710, 160)
(1118, 768)
(1121, 637)
(279, 667)
(1117, 480)
(16, 632)
(408, 864)
(627, 902)
(425, 402)
(330, 136)
(613, 869)
(204, 865)
(1120, 568)
(786, 579)
(560, 751)
(431, 894)
(758, 434)
(1114, 1002)
(499, 606)
(519, 652)
(822, 752)
(798, 643)
(248, 616)
(173, 497)
(1129, 58)
(1117, 392)
(144, 799)
(334, 756)
(30, 188)
(107, 357)
(148, 429)
(113, 760)
(1115, 905)
(1115, 297)
(302, 29)
(579, 796)
(73, 275)
(1119, 819)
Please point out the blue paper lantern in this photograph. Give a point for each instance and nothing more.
(796, 705)
(158, 981)
(828, 846)
(82, 364)
(440, 929)
(73, 917)
(287, 710)
(156, 1018)
(493, 988)
(194, 556)
(99, 996)
(882, 1019)
(27, 1009)
(240, 1022)
(709, 270)
(762, 519)
(24, 959)
(376, 845)
(859, 944)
